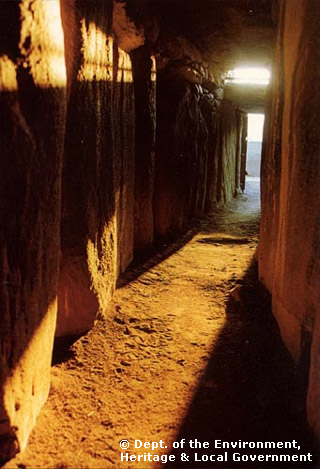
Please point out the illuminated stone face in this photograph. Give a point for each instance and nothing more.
(8, 78)
(97, 54)
(42, 42)
(124, 70)
(99, 144)
(33, 105)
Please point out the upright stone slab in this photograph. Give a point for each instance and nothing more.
(181, 153)
(290, 236)
(33, 107)
(89, 241)
(144, 76)
(209, 110)
(124, 155)
(228, 141)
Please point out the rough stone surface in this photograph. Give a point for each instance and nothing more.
(124, 137)
(271, 166)
(128, 35)
(237, 172)
(88, 250)
(32, 102)
(144, 75)
(181, 154)
(198, 153)
(229, 168)
(223, 33)
(80, 163)
(289, 248)
(210, 112)
(244, 147)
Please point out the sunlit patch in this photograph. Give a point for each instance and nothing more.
(153, 69)
(249, 76)
(8, 78)
(124, 72)
(26, 386)
(97, 54)
(102, 258)
(42, 42)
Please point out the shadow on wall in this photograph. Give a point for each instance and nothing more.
(198, 152)
(251, 389)
(74, 141)
(39, 106)
(88, 227)
(181, 155)
(33, 103)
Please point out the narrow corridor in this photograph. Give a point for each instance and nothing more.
(124, 125)
(188, 349)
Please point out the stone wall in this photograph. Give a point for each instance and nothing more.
(198, 152)
(33, 113)
(181, 136)
(88, 229)
(145, 114)
(68, 186)
(229, 152)
(290, 236)
(94, 165)
(124, 155)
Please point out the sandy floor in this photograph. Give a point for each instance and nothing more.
(188, 349)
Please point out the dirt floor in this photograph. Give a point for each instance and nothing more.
(188, 350)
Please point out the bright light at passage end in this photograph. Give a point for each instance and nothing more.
(255, 127)
(254, 76)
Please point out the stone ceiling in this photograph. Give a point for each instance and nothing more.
(216, 35)
(225, 32)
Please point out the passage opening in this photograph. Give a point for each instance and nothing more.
(254, 145)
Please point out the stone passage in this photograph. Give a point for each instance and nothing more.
(118, 127)
(188, 349)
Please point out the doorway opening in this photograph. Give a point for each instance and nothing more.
(251, 163)
(254, 145)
